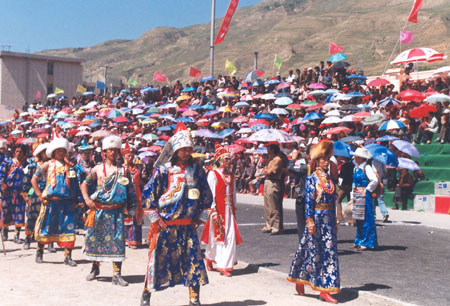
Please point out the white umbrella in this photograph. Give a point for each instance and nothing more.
(438, 98)
(279, 111)
(406, 147)
(245, 130)
(406, 163)
(332, 120)
(268, 135)
(268, 96)
(442, 70)
(333, 113)
(340, 96)
(348, 118)
(329, 106)
(283, 101)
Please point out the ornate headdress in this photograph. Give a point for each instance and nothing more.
(323, 149)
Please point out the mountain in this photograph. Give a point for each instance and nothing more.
(299, 31)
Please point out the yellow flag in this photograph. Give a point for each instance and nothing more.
(80, 88)
(58, 91)
(230, 67)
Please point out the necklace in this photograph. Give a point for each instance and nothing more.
(325, 183)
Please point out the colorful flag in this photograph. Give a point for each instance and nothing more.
(335, 48)
(226, 21)
(277, 61)
(38, 94)
(80, 88)
(132, 82)
(194, 72)
(58, 91)
(406, 37)
(159, 77)
(415, 11)
(230, 67)
(100, 85)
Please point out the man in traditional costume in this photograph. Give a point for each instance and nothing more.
(13, 184)
(133, 224)
(221, 233)
(56, 221)
(83, 168)
(114, 198)
(316, 261)
(6, 216)
(176, 199)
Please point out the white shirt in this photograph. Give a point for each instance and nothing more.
(370, 174)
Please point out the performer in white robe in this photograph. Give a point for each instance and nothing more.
(221, 234)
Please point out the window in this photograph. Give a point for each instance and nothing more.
(50, 68)
(49, 89)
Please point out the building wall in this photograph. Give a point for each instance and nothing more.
(67, 76)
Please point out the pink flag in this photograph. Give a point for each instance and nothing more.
(159, 77)
(335, 48)
(226, 21)
(406, 37)
(415, 11)
(38, 94)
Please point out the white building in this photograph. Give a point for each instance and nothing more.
(22, 75)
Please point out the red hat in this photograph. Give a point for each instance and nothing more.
(220, 152)
(127, 149)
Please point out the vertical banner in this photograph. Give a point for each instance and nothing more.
(226, 21)
(415, 11)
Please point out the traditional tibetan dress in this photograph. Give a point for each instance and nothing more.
(6, 218)
(35, 207)
(221, 239)
(82, 170)
(13, 204)
(105, 239)
(316, 260)
(178, 195)
(366, 230)
(56, 221)
(134, 223)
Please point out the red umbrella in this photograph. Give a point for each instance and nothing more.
(339, 129)
(422, 111)
(164, 137)
(43, 135)
(154, 148)
(243, 141)
(154, 116)
(315, 107)
(378, 82)
(283, 85)
(120, 119)
(73, 132)
(418, 55)
(235, 148)
(189, 113)
(411, 95)
(259, 121)
(294, 106)
(240, 119)
(360, 116)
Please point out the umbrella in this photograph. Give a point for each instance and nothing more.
(165, 128)
(82, 133)
(442, 70)
(208, 78)
(283, 85)
(339, 65)
(43, 135)
(350, 107)
(418, 55)
(355, 94)
(360, 116)
(208, 106)
(317, 92)
(240, 119)
(406, 163)
(350, 139)
(374, 119)
(333, 113)
(150, 136)
(283, 101)
(100, 134)
(348, 118)
(342, 149)
(258, 127)
(259, 121)
(391, 125)
(205, 133)
(294, 106)
(340, 96)
(167, 117)
(382, 154)
(253, 75)
(265, 116)
(279, 111)
(411, 95)
(331, 91)
(225, 133)
(154, 148)
(271, 135)
(378, 82)
(317, 86)
(357, 77)
(337, 57)
(386, 138)
(308, 103)
(189, 113)
(282, 94)
(329, 106)
(258, 83)
(338, 130)
(406, 147)
(389, 102)
(242, 104)
(270, 96)
(160, 143)
(115, 113)
(147, 154)
(312, 116)
(438, 98)
(235, 148)
(226, 120)
(183, 98)
(245, 130)
(224, 109)
(120, 119)
(332, 120)
(218, 125)
(422, 111)
(269, 82)
(137, 111)
(185, 119)
(188, 89)
(211, 113)
(314, 107)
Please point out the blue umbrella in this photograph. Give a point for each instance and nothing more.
(195, 106)
(164, 128)
(211, 113)
(242, 104)
(5, 123)
(272, 82)
(188, 89)
(208, 78)
(342, 149)
(252, 75)
(265, 116)
(90, 117)
(382, 154)
(87, 93)
(258, 127)
(95, 124)
(261, 150)
(386, 138)
(125, 91)
(258, 83)
(282, 94)
(185, 119)
(205, 133)
(208, 106)
(357, 77)
(166, 116)
(331, 91)
(350, 139)
(355, 94)
(337, 57)
(160, 143)
(149, 89)
(225, 133)
(391, 124)
(312, 116)
(389, 102)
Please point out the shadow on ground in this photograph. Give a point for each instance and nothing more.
(352, 293)
(239, 303)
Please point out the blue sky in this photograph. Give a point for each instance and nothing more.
(35, 25)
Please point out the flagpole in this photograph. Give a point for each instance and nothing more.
(213, 18)
(392, 53)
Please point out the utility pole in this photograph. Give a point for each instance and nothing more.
(106, 77)
(4, 47)
(213, 23)
(255, 61)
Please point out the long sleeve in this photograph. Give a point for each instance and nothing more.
(310, 197)
(212, 182)
(151, 194)
(372, 177)
(206, 196)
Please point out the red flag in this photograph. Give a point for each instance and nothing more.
(194, 72)
(406, 37)
(335, 48)
(38, 94)
(415, 10)
(226, 21)
(159, 77)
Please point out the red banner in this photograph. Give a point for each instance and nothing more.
(415, 11)
(226, 21)
(159, 77)
(335, 48)
(194, 72)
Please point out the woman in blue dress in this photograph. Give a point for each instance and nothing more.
(365, 182)
(316, 261)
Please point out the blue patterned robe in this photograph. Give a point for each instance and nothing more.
(56, 219)
(82, 170)
(105, 240)
(366, 230)
(316, 260)
(35, 207)
(176, 257)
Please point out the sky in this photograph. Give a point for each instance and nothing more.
(36, 25)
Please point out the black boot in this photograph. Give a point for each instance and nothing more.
(17, 235)
(26, 245)
(51, 248)
(194, 296)
(95, 271)
(117, 277)
(68, 259)
(39, 255)
(145, 298)
(5, 233)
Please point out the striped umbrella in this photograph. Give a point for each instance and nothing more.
(374, 119)
(391, 125)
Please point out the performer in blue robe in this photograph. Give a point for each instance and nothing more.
(365, 182)
(177, 199)
(82, 169)
(5, 213)
(316, 261)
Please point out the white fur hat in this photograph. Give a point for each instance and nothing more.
(3, 144)
(40, 148)
(362, 152)
(111, 142)
(57, 143)
(181, 139)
